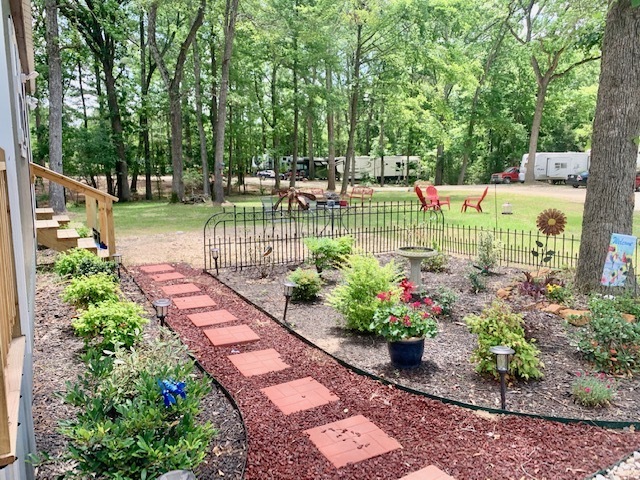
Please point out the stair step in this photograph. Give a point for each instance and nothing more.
(103, 253)
(68, 233)
(87, 244)
(61, 219)
(44, 213)
(45, 224)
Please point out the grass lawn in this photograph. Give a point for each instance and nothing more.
(161, 216)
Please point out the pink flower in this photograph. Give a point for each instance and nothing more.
(392, 319)
(406, 296)
(587, 389)
(407, 321)
(416, 304)
(578, 374)
(427, 301)
(425, 315)
(384, 296)
(436, 309)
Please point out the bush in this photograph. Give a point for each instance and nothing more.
(591, 390)
(559, 293)
(138, 420)
(478, 283)
(85, 291)
(608, 340)
(498, 325)
(446, 298)
(363, 279)
(437, 263)
(78, 262)
(329, 252)
(308, 284)
(108, 324)
(489, 251)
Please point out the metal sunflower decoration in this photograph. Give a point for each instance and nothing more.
(295, 199)
(551, 222)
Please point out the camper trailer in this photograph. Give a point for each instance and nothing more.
(395, 167)
(554, 167)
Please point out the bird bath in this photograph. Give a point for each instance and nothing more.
(415, 255)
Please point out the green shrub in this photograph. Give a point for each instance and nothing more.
(446, 298)
(79, 261)
(591, 390)
(437, 263)
(489, 251)
(83, 231)
(308, 284)
(498, 325)
(559, 293)
(628, 304)
(127, 428)
(329, 252)
(110, 323)
(85, 291)
(478, 283)
(355, 298)
(608, 340)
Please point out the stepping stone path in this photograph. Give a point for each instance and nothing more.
(344, 442)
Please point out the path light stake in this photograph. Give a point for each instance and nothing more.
(288, 292)
(215, 253)
(502, 354)
(162, 309)
(117, 259)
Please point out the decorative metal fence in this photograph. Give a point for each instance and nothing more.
(247, 237)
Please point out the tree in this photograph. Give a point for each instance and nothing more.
(616, 128)
(56, 191)
(200, 121)
(173, 86)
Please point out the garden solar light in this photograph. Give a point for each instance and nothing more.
(288, 292)
(215, 253)
(117, 259)
(502, 354)
(162, 308)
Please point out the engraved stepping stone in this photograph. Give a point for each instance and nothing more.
(428, 473)
(163, 277)
(213, 317)
(180, 289)
(237, 335)
(195, 301)
(351, 440)
(298, 395)
(165, 267)
(258, 362)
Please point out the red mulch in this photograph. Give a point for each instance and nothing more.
(456, 440)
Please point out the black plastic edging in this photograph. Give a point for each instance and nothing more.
(596, 423)
(215, 381)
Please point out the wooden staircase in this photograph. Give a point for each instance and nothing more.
(52, 232)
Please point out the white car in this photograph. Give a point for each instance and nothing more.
(266, 174)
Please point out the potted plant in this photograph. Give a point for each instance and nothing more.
(405, 320)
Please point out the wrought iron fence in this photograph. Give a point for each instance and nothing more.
(247, 237)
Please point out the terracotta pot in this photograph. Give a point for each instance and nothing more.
(406, 353)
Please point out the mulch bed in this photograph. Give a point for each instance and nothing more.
(465, 444)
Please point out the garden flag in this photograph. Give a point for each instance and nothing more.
(619, 256)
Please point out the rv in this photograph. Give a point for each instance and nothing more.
(554, 167)
(395, 167)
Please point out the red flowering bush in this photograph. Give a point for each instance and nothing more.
(593, 390)
(399, 315)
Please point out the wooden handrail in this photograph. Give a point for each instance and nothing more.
(98, 204)
(70, 183)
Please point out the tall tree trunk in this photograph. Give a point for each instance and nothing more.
(85, 119)
(144, 147)
(331, 141)
(610, 199)
(187, 136)
(353, 111)
(535, 130)
(230, 143)
(439, 174)
(312, 166)
(231, 12)
(381, 144)
(56, 191)
(201, 134)
(296, 122)
(213, 105)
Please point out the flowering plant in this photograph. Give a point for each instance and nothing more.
(400, 316)
(593, 390)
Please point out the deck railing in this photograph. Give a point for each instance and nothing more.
(98, 205)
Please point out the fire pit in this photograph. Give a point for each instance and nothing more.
(415, 255)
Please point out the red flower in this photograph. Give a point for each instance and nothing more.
(406, 296)
(392, 319)
(416, 304)
(425, 314)
(427, 301)
(436, 309)
(407, 321)
(384, 296)
(407, 286)
(587, 389)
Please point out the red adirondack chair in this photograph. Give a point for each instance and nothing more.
(474, 202)
(435, 200)
(425, 204)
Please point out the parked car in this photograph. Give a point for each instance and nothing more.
(300, 175)
(508, 176)
(266, 174)
(580, 179)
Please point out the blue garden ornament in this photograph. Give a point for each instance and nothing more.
(170, 389)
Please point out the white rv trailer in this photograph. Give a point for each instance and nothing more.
(395, 166)
(554, 167)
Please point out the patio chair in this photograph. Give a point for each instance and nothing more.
(425, 203)
(474, 202)
(435, 200)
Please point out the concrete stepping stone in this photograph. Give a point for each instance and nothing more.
(164, 267)
(237, 335)
(428, 473)
(180, 289)
(298, 395)
(214, 317)
(194, 301)
(351, 440)
(163, 277)
(258, 362)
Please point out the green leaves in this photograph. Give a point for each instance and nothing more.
(635, 3)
